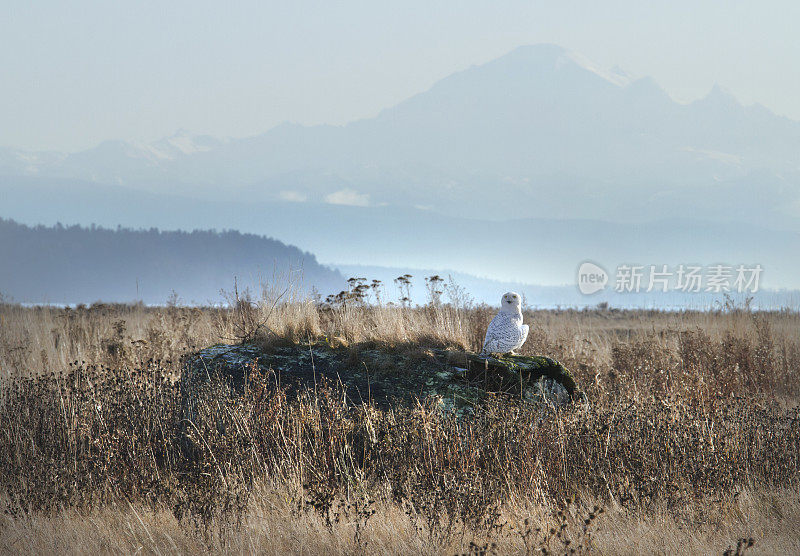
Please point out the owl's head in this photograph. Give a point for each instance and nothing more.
(511, 302)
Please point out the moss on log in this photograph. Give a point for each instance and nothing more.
(384, 375)
(513, 374)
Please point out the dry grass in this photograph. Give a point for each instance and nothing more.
(272, 527)
(692, 441)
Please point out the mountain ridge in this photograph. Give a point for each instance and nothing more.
(529, 146)
(540, 123)
(76, 264)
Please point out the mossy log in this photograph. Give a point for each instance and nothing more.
(384, 376)
(514, 374)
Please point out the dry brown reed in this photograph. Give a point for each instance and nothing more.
(692, 440)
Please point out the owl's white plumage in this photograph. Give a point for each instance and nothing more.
(506, 331)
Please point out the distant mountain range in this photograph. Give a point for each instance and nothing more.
(516, 170)
(539, 131)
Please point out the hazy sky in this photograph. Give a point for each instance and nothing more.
(75, 73)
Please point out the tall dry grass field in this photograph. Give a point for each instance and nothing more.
(691, 442)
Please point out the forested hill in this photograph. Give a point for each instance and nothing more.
(75, 264)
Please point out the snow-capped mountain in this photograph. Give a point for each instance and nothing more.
(117, 162)
(183, 143)
(539, 130)
(28, 163)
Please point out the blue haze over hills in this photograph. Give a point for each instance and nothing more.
(516, 170)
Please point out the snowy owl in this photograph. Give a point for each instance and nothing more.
(506, 331)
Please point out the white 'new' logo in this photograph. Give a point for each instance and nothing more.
(591, 278)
